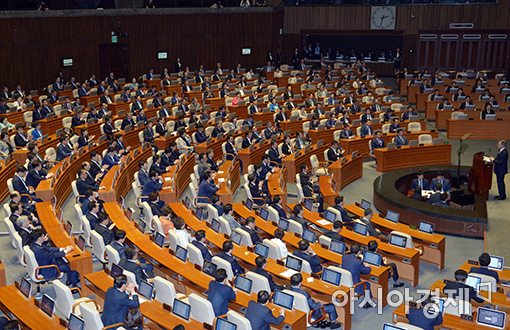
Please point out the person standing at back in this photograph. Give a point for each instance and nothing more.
(501, 169)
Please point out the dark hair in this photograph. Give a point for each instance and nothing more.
(279, 233)
(119, 281)
(368, 212)
(372, 246)
(220, 275)
(119, 234)
(153, 196)
(227, 208)
(153, 174)
(276, 199)
(303, 245)
(228, 245)
(36, 234)
(92, 205)
(484, 259)
(134, 319)
(337, 225)
(297, 209)
(11, 325)
(260, 261)
(355, 248)
(461, 275)
(249, 220)
(130, 253)
(262, 297)
(179, 223)
(200, 235)
(339, 199)
(296, 279)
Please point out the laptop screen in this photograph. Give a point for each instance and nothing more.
(283, 299)
(25, 287)
(365, 204)
(81, 243)
(242, 283)
(392, 216)
(372, 258)
(222, 324)
(497, 262)
(215, 225)
(308, 204)
(142, 225)
(181, 253)
(209, 268)
(426, 227)
(337, 247)
(388, 326)
(330, 276)
(75, 322)
(145, 289)
(262, 250)
(159, 239)
(249, 204)
(187, 202)
(236, 238)
(181, 309)
(398, 240)
(264, 214)
(47, 305)
(199, 213)
(115, 271)
(330, 216)
(491, 318)
(360, 229)
(293, 263)
(283, 224)
(309, 236)
(474, 282)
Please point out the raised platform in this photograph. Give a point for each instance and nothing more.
(390, 191)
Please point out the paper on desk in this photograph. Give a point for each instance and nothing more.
(288, 273)
(220, 172)
(168, 178)
(323, 222)
(221, 180)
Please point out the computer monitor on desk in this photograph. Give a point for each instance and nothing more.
(392, 216)
(491, 318)
(497, 263)
(283, 299)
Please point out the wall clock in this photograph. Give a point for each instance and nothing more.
(383, 17)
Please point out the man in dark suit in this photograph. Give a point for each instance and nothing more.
(82, 91)
(20, 185)
(400, 139)
(64, 148)
(366, 129)
(36, 174)
(367, 220)
(20, 139)
(143, 172)
(249, 227)
(111, 158)
(260, 262)
(346, 133)
(339, 205)
(460, 290)
(377, 141)
(200, 134)
(501, 169)
(315, 306)
(105, 232)
(226, 254)
(220, 292)
(154, 184)
(334, 152)
(422, 318)
(352, 262)
(132, 265)
(256, 189)
(118, 301)
(259, 315)
(207, 187)
(305, 252)
(420, 182)
(93, 214)
(484, 260)
(47, 255)
(277, 205)
(200, 242)
(310, 190)
(334, 234)
(105, 98)
(83, 184)
(25, 230)
(441, 180)
(298, 216)
(274, 155)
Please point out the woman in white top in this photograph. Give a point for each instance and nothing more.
(277, 240)
(18, 104)
(4, 124)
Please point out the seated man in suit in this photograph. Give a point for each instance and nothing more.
(334, 234)
(401, 139)
(339, 205)
(395, 125)
(21, 138)
(20, 185)
(277, 205)
(24, 228)
(260, 262)
(64, 149)
(372, 247)
(229, 216)
(217, 204)
(446, 186)
(83, 184)
(93, 215)
(47, 255)
(207, 188)
(220, 292)
(143, 172)
(259, 315)
(154, 184)
(118, 301)
(377, 141)
(226, 254)
(298, 216)
(102, 228)
(422, 318)
(256, 189)
(484, 260)
(334, 152)
(346, 133)
(460, 290)
(200, 134)
(119, 244)
(36, 174)
(132, 265)
(315, 306)
(367, 220)
(274, 154)
(200, 242)
(352, 261)
(366, 129)
(157, 165)
(249, 227)
(310, 190)
(111, 158)
(305, 252)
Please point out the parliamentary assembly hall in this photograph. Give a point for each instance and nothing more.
(254, 164)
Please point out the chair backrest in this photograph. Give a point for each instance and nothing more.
(259, 282)
(324, 240)
(201, 309)
(314, 161)
(487, 281)
(67, 121)
(457, 115)
(147, 210)
(305, 265)
(407, 326)
(273, 214)
(212, 213)
(414, 127)
(113, 256)
(345, 278)
(10, 186)
(246, 238)
(326, 158)
(295, 227)
(239, 320)
(458, 307)
(172, 238)
(194, 255)
(336, 135)
(98, 247)
(336, 212)
(27, 116)
(165, 291)
(274, 251)
(224, 226)
(300, 194)
(300, 301)
(19, 249)
(76, 193)
(86, 229)
(118, 124)
(91, 317)
(64, 300)
(140, 137)
(425, 139)
(306, 126)
(222, 263)
(11, 230)
(238, 141)
(247, 190)
(31, 264)
(409, 239)
(386, 128)
(131, 278)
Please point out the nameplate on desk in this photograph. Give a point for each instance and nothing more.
(473, 262)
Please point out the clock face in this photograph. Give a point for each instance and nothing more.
(383, 18)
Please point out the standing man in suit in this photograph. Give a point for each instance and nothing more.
(315, 306)
(200, 243)
(352, 262)
(501, 169)
(460, 290)
(226, 255)
(118, 300)
(259, 315)
(220, 292)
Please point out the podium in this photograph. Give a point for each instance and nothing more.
(480, 176)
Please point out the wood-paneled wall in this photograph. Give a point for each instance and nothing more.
(32, 47)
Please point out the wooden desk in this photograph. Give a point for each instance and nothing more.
(32, 317)
(7, 171)
(228, 178)
(441, 116)
(14, 117)
(479, 129)
(215, 103)
(20, 155)
(293, 126)
(81, 261)
(434, 245)
(2, 275)
(253, 155)
(504, 274)
(293, 161)
(346, 171)
(406, 156)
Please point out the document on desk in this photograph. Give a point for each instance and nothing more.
(168, 178)
(220, 180)
(323, 222)
(288, 273)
